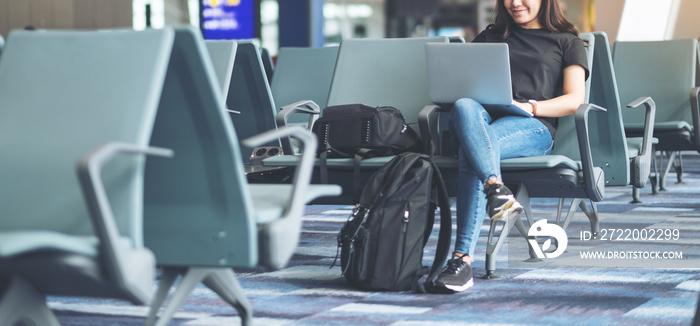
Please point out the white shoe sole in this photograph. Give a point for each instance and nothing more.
(460, 288)
(511, 209)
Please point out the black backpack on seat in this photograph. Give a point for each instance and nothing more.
(359, 131)
(381, 245)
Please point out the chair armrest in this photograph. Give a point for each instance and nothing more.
(649, 117)
(695, 110)
(584, 143)
(89, 169)
(277, 239)
(428, 126)
(305, 106)
(302, 173)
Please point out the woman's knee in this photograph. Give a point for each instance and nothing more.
(466, 103)
(464, 107)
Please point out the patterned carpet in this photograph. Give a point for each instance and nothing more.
(567, 290)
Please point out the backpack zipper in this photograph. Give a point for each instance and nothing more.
(405, 219)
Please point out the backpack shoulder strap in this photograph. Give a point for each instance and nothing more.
(356, 184)
(445, 235)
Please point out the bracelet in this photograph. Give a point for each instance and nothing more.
(534, 107)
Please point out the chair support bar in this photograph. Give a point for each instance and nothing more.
(695, 110)
(648, 121)
(585, 147)
(89, 168)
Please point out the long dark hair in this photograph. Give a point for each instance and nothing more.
(551, 17)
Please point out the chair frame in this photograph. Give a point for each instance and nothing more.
(218, 221)
(101, 253)
(673, 151)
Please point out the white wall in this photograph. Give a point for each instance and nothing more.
(79, 14)
(609, 12)
(688, 23)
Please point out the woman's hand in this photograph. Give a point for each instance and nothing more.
(527, 107)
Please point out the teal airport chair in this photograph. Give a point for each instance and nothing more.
(575, 170)
(223, 55)
(668, 72)
(202, 219)
(590, 152)
(268, 64)
(569, 172)
(301, 83)
(253, 112)
(249, 94)
(604, 92)
(375, 72)
(74, 131)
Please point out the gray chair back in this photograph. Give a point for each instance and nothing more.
(381, 72)
(303, 74)
(268, 64)
(664, 70)
(67, 108)
(565, 141)
(249, 94)
(201, 216)
(608, 141)
(205, 179)
(223, 55)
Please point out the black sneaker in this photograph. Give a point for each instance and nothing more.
(501, 203)
(456, 277)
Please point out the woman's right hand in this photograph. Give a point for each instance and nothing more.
(527, 107)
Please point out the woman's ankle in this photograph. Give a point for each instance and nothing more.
(465, 257)
(492, 182)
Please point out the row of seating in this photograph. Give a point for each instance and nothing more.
(592, 149)
(669, 72)
(86, 214)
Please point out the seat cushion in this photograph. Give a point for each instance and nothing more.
(518, 163)
(659, 126)
(669, 138)
(539, 162)
(269, 200)
(336, 163)
(634, 145)
(22, 242)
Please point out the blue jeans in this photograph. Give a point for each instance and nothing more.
(481, 143)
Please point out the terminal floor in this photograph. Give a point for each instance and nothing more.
(566, 290)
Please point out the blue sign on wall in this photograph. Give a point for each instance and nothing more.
(227, 19)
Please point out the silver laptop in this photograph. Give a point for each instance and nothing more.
(480, 71)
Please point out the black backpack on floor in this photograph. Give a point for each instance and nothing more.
(381, 245)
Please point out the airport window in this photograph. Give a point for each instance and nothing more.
(648, 20)
(156, 19)
(269, 34)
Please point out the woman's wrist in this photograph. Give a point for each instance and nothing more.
(533, 103)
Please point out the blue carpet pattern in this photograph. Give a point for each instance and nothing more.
(559, 291)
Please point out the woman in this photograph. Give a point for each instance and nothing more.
(548, 73)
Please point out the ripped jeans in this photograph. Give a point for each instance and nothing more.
(481, 143)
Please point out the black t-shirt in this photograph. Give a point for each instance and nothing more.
(537, 61)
